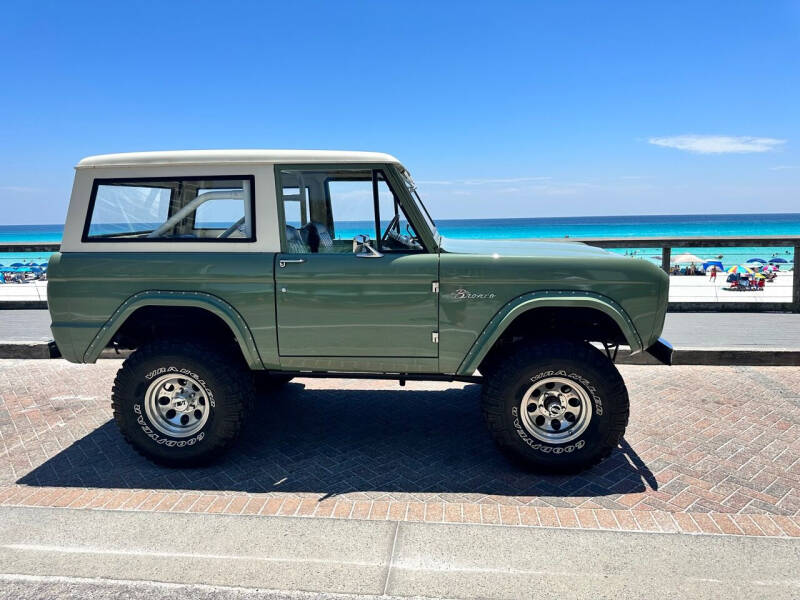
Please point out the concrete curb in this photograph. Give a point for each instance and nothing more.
(769, 357)
(722, 357)
(29, 350)
(23, 304)
(756, 357)
(386, 559)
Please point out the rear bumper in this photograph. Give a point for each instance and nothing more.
(662, 350)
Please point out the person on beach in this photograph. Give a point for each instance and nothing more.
(713, 276)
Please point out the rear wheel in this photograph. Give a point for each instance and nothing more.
(555, 407)
(181, 403)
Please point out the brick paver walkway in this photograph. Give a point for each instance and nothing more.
(708, 449)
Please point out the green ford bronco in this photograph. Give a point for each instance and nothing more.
(225, 271)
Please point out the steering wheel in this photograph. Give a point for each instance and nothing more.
(392, 224)
(409, 241)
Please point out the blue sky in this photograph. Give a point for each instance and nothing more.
(499, 109)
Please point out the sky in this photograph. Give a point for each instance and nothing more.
(498, 109)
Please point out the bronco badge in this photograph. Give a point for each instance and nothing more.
(462, 294)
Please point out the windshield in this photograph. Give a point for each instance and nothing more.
(412, 189)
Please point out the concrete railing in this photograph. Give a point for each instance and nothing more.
(666, 244)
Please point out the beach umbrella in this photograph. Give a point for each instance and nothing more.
(686, 258)
(16, 264)
(713, 263)
(778, 260)
(740, 269)
(758, 260)
(44, 264)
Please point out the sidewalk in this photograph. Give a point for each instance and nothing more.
(381, 558)
(364, 487)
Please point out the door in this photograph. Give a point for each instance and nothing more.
(337, 300)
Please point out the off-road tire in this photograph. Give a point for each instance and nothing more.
(225, 380)
(513, 374)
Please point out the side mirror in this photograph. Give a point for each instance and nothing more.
(362, 248)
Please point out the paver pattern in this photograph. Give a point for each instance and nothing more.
(708, 449)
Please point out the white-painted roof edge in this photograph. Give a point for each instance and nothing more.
(206, 157)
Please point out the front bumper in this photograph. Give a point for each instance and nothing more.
(662, 350)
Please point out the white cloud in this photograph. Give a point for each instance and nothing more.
(20, 188)
(718, 144)
(784, 167)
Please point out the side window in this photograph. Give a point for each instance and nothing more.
(222, 211)
(121, 210)
(395, 226)
(295, 206)
(325, 209)
(191, 208)
(352, 207)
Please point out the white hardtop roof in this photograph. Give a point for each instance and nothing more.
(206, 157)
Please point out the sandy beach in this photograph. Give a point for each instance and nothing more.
(33, 290)
(698, 288)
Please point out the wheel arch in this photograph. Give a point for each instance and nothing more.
(523, 308)
(213, 306)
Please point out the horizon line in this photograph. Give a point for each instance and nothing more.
(523, 218)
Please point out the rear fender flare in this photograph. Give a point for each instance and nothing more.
(564, 299)
(209, 302)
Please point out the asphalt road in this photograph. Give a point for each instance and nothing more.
(688, 330)
(380, 558)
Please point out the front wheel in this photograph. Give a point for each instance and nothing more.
(557, 407)
(179, 403)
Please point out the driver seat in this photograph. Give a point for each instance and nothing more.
(294, 241)
(325, 239)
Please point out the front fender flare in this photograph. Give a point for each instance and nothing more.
(209, 302)
(564, 299)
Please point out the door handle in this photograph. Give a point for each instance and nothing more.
(285, 261)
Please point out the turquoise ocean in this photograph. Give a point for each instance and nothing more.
(556, 227)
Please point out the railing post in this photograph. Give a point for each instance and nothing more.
(796, 280)
(666, 254)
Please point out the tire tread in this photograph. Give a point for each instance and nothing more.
(507, 367)
(231, 372)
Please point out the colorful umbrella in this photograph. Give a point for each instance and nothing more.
(740, 269)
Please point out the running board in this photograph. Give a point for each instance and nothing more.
(401, 377)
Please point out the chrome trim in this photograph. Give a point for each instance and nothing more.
(556, 410)
(285, 261)
(176, 405)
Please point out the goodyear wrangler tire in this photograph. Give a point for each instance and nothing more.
(180, 403)
(557, 407)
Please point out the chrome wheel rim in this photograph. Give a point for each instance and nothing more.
(556, 410)
(177, 405)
